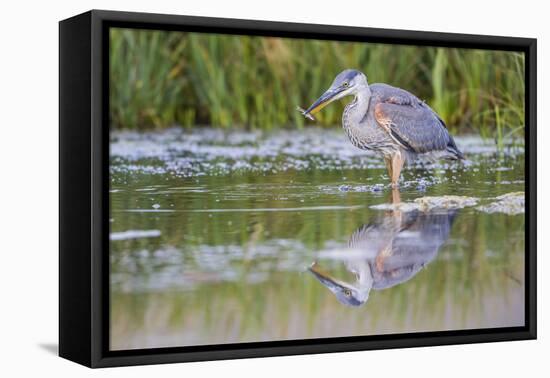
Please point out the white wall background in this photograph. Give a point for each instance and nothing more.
(28, 189)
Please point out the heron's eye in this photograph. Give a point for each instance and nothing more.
(347, 293)
(345, 84)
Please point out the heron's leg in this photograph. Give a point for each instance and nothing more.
(387, 160)
(397, 161)
(381, 257)
(395, 196)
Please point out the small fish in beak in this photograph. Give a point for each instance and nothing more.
(333, 93)
(305, 113)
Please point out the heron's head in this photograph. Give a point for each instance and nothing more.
(347, 83)
(345, 293)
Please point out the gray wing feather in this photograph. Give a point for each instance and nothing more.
(409, 121)
(417, 129)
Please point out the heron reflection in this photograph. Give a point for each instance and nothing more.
(390, 250)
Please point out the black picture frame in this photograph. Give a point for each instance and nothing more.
(84, 205)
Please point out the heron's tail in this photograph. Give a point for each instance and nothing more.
(454, 152)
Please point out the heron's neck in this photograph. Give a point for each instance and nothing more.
(364, 282)
(364, 278)
(364, 275)
(356, 110)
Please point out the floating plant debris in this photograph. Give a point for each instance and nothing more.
(215, 152)
(430, 203)
(510, 203)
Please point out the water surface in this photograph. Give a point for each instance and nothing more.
(212, 235)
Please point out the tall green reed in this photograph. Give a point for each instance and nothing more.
(160, 79)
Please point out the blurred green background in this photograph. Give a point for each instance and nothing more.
(159, 79)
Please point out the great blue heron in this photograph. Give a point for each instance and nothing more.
(388, 120)
(389, 251)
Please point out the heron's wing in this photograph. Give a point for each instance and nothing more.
(412, 124)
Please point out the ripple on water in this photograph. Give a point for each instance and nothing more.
(134, 234)
(169, 267)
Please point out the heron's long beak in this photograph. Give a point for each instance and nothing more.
(331, 283)
(325, 99)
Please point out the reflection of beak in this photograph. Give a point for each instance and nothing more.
(325, 99)
(331, 283)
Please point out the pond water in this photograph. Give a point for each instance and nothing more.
(225, 237)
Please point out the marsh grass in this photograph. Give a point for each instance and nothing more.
(159, 79)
